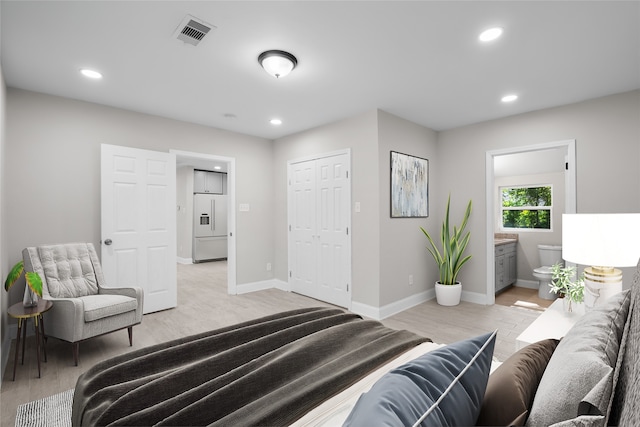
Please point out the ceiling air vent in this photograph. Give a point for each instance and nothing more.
(192, 30)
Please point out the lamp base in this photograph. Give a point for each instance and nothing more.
(600, 283)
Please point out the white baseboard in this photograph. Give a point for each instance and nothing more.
(261, 286)
(529, 284)
(393, 308)
(184, 260)
(474, 297)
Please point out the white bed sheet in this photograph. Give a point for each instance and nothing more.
(334, 412)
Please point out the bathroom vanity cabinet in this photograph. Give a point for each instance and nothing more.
(506, 264)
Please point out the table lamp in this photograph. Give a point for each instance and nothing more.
(603, 242)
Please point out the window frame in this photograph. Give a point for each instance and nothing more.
(519, 208)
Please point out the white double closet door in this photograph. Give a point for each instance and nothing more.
(319, 204)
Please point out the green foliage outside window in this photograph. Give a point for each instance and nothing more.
(526, 207)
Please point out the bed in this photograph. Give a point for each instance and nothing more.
(324, 366)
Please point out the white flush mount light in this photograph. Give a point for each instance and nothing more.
(275, 122)
(217, 168)
(278, 63)
(92, 74)
(490, 34)
(509, 98)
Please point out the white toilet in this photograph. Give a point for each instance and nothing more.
(549, 255)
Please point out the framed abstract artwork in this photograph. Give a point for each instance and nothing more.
(409, 186)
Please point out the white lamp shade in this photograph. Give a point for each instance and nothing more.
(606, 240)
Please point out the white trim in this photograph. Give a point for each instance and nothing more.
(475, 297)
(246, 288)
(393, 308)
(529, 284)
(231, 214)
(569, 206)
(181, 260)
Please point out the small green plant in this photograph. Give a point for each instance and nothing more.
(451, 259)
(33, 279)
(562, 283)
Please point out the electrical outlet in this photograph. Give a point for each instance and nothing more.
(411, 280)
(268, 266)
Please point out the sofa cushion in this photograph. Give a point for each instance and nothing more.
(442, 387)
(578, 380)
(68, 270)
(513, 385)
(101, 306)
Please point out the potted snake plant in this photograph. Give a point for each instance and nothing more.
(33, 288)
(451, 258)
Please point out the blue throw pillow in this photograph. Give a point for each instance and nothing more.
(444, 387)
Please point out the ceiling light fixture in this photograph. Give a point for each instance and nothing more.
(92, 74)
(490, 34)
(509, 98)
(278, 63)
(275, 122)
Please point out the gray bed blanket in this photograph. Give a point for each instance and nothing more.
(270, 371)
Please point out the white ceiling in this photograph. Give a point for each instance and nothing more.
(419, 60)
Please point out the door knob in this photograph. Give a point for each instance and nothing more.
(108, 242)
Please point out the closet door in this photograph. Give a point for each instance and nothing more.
(319, 240)
(333, 212)
(302, 228)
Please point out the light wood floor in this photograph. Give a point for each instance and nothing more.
(203, 304)
(522, 297)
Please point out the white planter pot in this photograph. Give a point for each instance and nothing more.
(448, 294)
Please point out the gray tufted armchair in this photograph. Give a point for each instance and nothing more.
(83, 307)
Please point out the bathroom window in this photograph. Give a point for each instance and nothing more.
(526, 207)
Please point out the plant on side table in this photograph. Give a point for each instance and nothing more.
(32, 290)
(450, 260)
(564, 286)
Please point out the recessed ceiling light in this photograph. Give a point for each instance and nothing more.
(490, 34)
(217, 168)
(509, 98)
(92, 74)
(275, 122)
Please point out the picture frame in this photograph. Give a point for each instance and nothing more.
(409, 186)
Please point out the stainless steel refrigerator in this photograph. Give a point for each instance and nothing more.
(209, 227)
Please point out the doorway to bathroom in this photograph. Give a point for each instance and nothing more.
(546, 163)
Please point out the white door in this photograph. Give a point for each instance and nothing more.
(319, 245)
(138, 192)
(302, 236)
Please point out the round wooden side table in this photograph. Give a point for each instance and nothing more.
(23, 314)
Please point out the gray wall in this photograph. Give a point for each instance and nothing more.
(384, 250)
(55, 172)
(607, 134)
(54, 145)
(402, 245)
(361, 136)
(4, 263)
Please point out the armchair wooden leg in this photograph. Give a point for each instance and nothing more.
(76, 352)
(130, 330)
